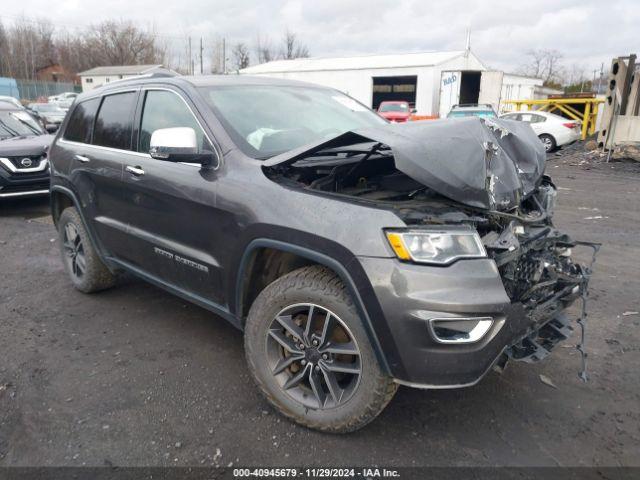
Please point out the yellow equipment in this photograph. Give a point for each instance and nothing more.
(567, 105)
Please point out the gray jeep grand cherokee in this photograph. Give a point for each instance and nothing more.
(356, 255)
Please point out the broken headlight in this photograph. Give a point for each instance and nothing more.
(439, 247)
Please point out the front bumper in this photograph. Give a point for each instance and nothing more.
(21, 182)
(411, 294)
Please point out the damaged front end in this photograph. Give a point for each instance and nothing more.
(483, 174)
(537, 271)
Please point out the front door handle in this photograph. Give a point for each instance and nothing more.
(137, 171)
(82, 158)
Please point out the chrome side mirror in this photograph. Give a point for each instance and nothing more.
(179, 144)
(173, 144)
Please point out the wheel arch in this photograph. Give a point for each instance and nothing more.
(63, 197)
(292, 257)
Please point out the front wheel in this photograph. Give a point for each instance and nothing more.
(548, 141)
(310, 355)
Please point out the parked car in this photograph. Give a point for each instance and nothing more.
(11, 100)
(553, 130)
(24, 167)
(397, 112)
(64, 100)
(355, 254)
(472, 110)
(49, 114)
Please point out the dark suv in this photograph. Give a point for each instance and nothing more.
(355, 254)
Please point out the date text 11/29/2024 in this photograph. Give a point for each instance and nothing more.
(315, 473)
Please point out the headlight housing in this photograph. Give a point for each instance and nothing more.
(438, 247)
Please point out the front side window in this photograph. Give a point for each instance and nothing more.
(164, 109)
(81, 121)
(114, 122)
(265, 120)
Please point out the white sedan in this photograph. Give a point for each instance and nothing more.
(553, 130)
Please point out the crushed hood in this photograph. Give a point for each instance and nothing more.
(487, 163)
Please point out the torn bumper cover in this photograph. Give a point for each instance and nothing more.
(525, 326)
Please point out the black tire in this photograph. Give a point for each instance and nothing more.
(548, 141)
(86, 271)
(321, 288)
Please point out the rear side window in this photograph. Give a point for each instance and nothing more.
(81, 121)
(115, 120)
(163, 109)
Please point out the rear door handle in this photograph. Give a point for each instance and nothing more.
(82, 158)
(137, 171)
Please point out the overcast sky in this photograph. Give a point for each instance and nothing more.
(586, 32)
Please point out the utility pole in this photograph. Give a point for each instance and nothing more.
(601, 75)
(224, 56)
(201, 49)
(190, 64)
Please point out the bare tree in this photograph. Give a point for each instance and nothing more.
(544, 64)
(240, 55)
(292, 48)
(121, 43)
(263, 49)
(25, 47)
(5, 70)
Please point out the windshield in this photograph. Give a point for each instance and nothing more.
(393, 107)
(471, 113)
(48, 108)
(265, 120)
(18, 124)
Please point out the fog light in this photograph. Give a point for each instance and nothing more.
(459, 330)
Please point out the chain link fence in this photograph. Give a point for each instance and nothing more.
(33, 89)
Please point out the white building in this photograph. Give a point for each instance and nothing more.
(518, 87)
(98, 76)
(432, 81)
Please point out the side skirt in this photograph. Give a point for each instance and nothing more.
(180, 292)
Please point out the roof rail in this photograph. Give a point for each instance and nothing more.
(166, 74)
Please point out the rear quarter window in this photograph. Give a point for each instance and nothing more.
(81, 121)
(114, 122)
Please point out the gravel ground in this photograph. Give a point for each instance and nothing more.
(136, 376)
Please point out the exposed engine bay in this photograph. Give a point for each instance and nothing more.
(489, 175)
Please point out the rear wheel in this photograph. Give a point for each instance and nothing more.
(310, 355)
(548, 141)
(86, 271)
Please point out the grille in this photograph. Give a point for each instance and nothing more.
(35, 160)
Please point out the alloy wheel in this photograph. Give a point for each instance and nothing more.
(313, 356)
(74, 251)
